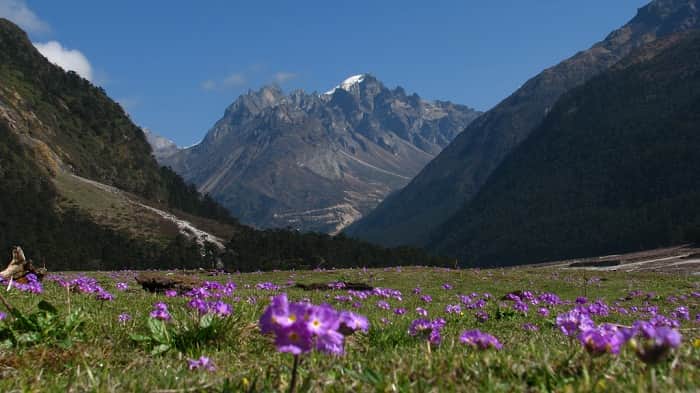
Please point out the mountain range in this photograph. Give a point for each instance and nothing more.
(612, 168)
(81, 189)
(448, 183)
(317, 162)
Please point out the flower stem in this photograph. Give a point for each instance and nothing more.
(292, 384)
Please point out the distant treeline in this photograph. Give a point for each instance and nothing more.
(270, 249)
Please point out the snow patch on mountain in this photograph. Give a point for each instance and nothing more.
(347, 83)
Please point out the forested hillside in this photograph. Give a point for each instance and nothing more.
(614, 167)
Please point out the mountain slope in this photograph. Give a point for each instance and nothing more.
(162, 147)
(317, 162)
(58, 132)
(457, 174)
(613, 168)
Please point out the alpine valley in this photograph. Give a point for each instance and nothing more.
(81, 189)
(316, 162)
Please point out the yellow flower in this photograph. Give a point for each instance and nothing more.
(696, 343)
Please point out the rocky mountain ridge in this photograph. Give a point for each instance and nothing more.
(317, 162)
(456, 175)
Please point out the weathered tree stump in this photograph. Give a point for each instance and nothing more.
(19, 267)
(160, 282)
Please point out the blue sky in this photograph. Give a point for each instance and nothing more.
(176, 65)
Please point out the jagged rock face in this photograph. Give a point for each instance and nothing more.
(318, 162)
(457, 174)
(162, 147)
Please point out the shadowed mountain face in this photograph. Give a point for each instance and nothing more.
(612, 168)
(318, 162)
(80, 189)
(456, 175)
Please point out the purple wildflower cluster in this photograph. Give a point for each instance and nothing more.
(605, 338)
(203, 363)
(160, 311)
(267, 286)
(207, 298)
(83, 284)
(215, 307)
(432, 330)
(301, 326)
(477, 339)
(453, 309)
(652, 340)
(33, 285)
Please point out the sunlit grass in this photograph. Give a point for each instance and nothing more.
(384, 359)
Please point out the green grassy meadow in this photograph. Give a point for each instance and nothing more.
(101, 355)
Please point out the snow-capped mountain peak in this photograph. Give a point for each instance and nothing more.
(348, 83)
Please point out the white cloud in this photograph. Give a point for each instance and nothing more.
(234, 80)
(18, 12)
(68, 59)
(281, 77)
(208, 85)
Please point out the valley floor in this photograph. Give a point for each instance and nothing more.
(115, 346)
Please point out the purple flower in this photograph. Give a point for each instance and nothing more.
(417, 290)
(421, 311)
(426, 298)
(331, 341)
(453, 309)
(399, 311)
(520, 306)
(160, 311)
(660, 320)
(653, 343)
(267, 286)
(513, 297)
(220, 308)
(2, 316)
(681, 312)
(530, 327)
(337, 285)
(170, 293)
(383, 305)
(203, 363)
(549, 298)
(574, 321)
(294, 339)
(122, 286)
(351, 322)
(581, 300)
(446, 286)
(543, 311)
(427, 329)
(198, 304)
(32, 285)
(124, 318)
(481, 316)
(475, 338)
(300, 327)
(104, 295)
(596, 308)
(605, 338)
